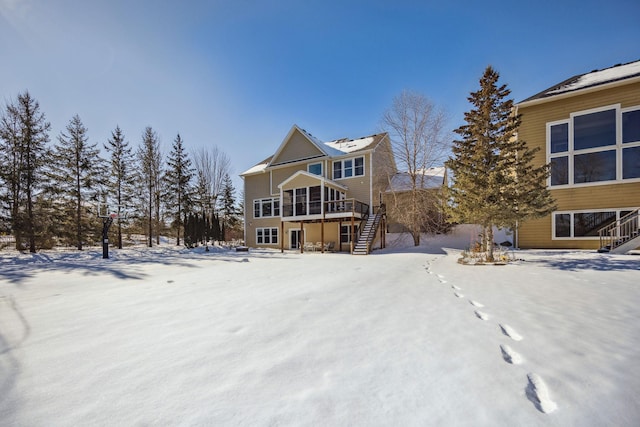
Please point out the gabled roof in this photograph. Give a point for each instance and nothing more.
(593, 79)
(313, 176)
(433, 178)
(316, 148)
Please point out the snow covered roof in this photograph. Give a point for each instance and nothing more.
(433, 178)
(260, 167)
(337, 148)
(592, 79)
(351, 145)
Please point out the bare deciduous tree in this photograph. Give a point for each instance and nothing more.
(211, 165)
(416, 128)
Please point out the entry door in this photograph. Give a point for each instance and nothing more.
(294, 239)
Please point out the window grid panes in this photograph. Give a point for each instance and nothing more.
(595, 147)
(266, 207)
(569, 225)
(348, 168)
(267, 235)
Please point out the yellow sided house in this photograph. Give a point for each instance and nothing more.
(319, 196)
(588, 129)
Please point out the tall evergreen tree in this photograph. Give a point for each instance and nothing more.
(494, 180)
(228, 209)
(149, 158)
(24, 133)
(76, 171)
(178, 180)
(121, 177)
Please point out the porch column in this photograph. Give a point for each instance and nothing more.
(322, 235)
(281, 236)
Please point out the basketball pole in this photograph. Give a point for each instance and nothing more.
(106, 223)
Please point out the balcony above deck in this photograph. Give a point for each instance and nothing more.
(333, 210)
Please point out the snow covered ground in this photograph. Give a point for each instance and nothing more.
(403, 337)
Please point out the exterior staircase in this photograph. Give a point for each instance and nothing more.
(368, 234)
(622, 235)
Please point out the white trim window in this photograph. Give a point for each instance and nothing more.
(594, 147)
(266, 208)
(348, 168)
(346, 233)
(583, 224)
(315, 168)
(267, 235)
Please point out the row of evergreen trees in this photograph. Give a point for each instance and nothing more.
(50, 193)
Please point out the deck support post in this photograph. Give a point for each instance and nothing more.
(301, 237)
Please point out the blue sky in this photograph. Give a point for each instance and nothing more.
(239, 74)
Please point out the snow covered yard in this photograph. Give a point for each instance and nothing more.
(400, 337)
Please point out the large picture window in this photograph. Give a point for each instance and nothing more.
(267, 235)
(596, 146)
(583, 224)
(594, 130)
(348, 168)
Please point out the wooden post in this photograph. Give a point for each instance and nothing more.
(281, 236)
(353, 230)
(322, 235)
(301, 237)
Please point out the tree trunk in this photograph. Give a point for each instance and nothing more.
(150, 216)
(78, 215)
(489, 235)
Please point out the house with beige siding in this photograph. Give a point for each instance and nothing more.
(312, 195)
(588, 128)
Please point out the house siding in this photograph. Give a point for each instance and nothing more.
(299, 147)
(294, 155)
(539, 233)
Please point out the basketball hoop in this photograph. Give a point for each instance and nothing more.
(109, 214)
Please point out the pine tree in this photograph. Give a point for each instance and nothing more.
(149, 158)
(76, 171)
(24, 133)
(494, 181)
(121, 178)
(228, 208)
(178, 179)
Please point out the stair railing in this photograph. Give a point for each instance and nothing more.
(620, 231)
(376, 222)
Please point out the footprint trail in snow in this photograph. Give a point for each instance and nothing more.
(510, 332)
